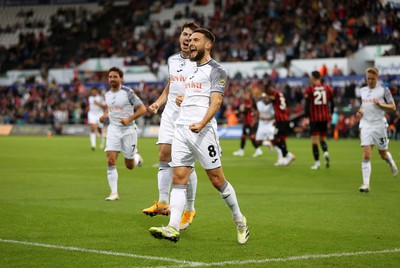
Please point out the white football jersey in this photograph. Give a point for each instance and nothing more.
(94, 108)
(121, 104)
(207, 78)
(373, 116)
(265, 110)
(179, 68)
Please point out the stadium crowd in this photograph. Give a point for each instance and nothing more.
(67, 104)
(273, 31)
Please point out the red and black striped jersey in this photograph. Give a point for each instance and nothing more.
(279, 102)
(249, 112)
(319, 97)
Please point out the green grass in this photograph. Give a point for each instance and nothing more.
(52, 192)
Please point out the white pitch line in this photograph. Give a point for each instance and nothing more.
(302, 257)
(103, 252)
(183, 263)
(292, 258)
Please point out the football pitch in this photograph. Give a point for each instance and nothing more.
(53, 213)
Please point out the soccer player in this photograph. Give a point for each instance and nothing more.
(248, 110)
(373, 126)
(96, 109)
(285, 157)
(319, 107)
(196, 137)
(180, 67)
(266, 121)
(123, 107)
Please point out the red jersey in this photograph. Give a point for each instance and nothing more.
(248, 113)
(319, 97)
(279, 103)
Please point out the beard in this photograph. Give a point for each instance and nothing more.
(199, 55)
(114, 84)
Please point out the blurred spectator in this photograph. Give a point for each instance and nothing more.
(248, 31)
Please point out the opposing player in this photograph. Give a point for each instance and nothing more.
(319, 107)
(96, 109)
(285, 157)
(123, 107)
(248, 111)
(196, 137)
(373, 126)
(266, 121)
(180, 67)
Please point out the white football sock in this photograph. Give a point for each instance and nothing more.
(389, 158)
(102, 139)
(191, 190)
(112, 176)
(136, 159)
(92, 137)
(366, 171)
(164, 176)
(178, 199)
(229, 195)
(279, 152)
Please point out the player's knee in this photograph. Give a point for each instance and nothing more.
(216, 180)
(164, 154)
(129, 166)
(111, 162)
(162, 157)
(367, 157)
(129, 163)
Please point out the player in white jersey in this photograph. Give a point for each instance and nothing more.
(180, 67)
(266, 122)
(373, 126)
(196, 137)
(96, 110)
(123, 107)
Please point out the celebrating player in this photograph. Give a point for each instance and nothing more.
(179, 67)
(196, 137)
(123, 107)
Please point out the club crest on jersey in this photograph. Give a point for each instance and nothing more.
(176, 78)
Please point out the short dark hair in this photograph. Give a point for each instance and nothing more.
(207, 33)
(189, 24)
(316, 75)
(116, 69)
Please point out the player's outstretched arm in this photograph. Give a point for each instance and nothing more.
(153, 108)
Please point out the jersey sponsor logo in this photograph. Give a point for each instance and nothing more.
(180, 70)
(215, 160)
(193, 85)
(367, 100)
(116, 109)
(178, 78)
